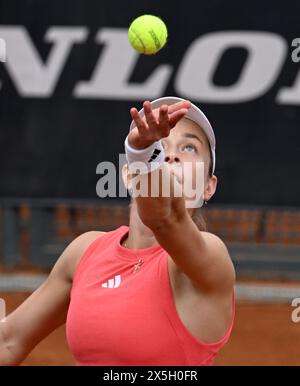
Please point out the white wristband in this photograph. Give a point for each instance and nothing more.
(144, 160)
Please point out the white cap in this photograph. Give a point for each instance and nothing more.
(195, 115)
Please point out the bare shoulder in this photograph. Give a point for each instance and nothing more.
(74, 251)
(215, 242)
(222, 261)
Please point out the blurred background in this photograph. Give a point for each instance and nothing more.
(66, 88)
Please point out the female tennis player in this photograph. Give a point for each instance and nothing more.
(159, 292)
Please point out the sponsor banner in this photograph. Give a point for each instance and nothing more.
(69, 76)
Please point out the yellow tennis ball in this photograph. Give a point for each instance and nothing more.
(147, 34)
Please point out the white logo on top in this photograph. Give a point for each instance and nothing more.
(113, 283)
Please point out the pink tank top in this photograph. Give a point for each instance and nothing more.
(122, 312)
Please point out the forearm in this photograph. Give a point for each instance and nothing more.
(8, 356)
(182, 234)
(159, 205)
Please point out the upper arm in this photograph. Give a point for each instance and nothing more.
(220, 272)
(46, 308)
(201, 256)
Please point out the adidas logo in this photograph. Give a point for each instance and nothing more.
(154, 155)
(113, 283)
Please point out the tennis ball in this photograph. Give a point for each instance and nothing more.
(147, 34)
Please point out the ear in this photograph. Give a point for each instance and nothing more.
(210, 188)
(125, 176)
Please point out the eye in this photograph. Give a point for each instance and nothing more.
(189, 148)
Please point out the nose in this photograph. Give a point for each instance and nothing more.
(170, 158)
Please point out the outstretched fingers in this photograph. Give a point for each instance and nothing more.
(176, 116)
(163, 120)
(140, 124)
(179, 105)
(150, 118)
(154, 126)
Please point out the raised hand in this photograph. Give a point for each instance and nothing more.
(156, 124)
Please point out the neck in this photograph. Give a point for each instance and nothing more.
(139, 235)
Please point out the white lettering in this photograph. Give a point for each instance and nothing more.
(291, 95)
(30, 75)
(296, 312)
(114, 67)
(266, 52)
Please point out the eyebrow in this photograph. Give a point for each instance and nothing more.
(190, 135)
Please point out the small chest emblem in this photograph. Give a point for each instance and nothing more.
(112, 283)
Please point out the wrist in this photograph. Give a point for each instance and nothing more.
(137, 143)
(145, 159)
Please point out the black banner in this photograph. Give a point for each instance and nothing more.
(71, 77)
